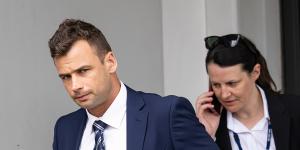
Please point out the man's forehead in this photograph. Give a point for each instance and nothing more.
(68, 66)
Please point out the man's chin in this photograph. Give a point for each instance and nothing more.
(84, 105)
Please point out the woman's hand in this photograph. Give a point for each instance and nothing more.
(206, 113)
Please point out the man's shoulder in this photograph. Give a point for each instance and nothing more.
(166, 103)
(156, 98)
(149, 95)
(73, 116)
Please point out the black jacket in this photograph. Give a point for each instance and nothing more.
(284, 111)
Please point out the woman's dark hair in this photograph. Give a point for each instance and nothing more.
(233, 49)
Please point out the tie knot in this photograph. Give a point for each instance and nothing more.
(99, 125)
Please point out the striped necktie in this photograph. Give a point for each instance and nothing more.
(98, 128)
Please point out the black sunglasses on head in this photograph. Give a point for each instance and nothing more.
(230, 40)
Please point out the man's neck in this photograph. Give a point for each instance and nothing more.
(102, 108)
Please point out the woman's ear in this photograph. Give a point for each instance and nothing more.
(256, 72)
(110, 62)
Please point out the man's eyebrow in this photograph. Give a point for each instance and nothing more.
(76, 70)
(63, 74)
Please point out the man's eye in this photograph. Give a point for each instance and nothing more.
(66, 77)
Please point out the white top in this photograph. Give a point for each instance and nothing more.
(115, 132)
(251, 139)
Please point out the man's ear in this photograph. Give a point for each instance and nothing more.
(256, 72)
(110, 62)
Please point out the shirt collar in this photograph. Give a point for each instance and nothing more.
(265, 103)
(110, 117)
(236, 126)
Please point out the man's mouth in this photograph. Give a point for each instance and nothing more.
(82, 97)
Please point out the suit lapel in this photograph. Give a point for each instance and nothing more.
(137, 116)
(79, 128)
(280, 121)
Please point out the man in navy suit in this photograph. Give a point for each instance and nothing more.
(132, 120)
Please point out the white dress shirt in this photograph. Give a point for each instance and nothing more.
(115, 132)
(251, 139)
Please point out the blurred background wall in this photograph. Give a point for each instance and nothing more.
(158, 44)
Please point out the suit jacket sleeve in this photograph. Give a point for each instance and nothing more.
(187, 132)
(55, 140)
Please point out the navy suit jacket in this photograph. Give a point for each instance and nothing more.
(285, 119)
(153, 123)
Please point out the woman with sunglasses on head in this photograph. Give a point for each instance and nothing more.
(253, 115)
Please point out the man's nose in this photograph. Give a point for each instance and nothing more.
(76, 84)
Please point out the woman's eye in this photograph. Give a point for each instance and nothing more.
(216, 85)
(232, 84)
(83, 70)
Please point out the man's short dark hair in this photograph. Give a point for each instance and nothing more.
(71, 31)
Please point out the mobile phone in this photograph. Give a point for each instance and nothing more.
(215, 101)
